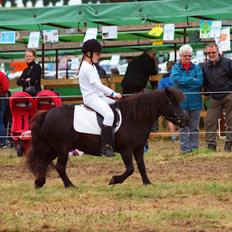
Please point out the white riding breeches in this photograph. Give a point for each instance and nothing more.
(101, 106)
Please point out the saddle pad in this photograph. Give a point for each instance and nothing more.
(85, 121)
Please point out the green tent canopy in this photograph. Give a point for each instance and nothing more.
(163, 11)
(127, 14)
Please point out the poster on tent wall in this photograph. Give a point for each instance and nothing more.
(114, 60)
(223, 41)
(51, 36)
(169, 32)
(216, 29)
(200, 58)
(205, 29)
(156, 31)
(110, 32)
(91, 33)
(34, 38)
(17, 66)
(63, 63)
(75, 63)
(7, 37)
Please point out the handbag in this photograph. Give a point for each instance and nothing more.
(31, 90)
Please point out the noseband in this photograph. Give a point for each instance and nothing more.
(176, 118)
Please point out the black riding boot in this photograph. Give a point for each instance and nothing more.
(106, 141)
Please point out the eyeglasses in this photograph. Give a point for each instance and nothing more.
(211, 53)
(187, 55)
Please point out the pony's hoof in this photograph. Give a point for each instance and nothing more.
(112, 181)
(70, 186)
(39, 183)
(147, 183)
(37, 187)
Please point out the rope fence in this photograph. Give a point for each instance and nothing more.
(157, 132)
(24, 137)
(73, 96)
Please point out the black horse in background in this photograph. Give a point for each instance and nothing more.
(53, 135)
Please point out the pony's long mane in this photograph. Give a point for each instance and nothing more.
(138, 107)
(144, 106)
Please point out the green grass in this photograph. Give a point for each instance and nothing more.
(189, 193)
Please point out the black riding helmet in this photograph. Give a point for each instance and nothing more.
(91, 45)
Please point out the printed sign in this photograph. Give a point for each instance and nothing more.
(51, 36)
(7, 37)
(110, 32)
(34, 38)
(91, 33)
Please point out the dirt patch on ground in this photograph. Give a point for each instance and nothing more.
(169, 168)
(132, 207)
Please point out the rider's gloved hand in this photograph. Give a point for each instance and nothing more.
(116, 95)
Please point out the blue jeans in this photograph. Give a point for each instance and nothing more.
(2, 126)
(189, 136)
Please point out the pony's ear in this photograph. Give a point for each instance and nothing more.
(174, 94)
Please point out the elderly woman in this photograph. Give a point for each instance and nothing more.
(188, 77)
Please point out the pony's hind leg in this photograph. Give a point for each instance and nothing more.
(138, 154)
(42, 171)
(127, 159)
(41, 179)
(61, 169)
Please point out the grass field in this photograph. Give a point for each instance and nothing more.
(189, 193)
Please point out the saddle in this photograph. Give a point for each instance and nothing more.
(100, 119)
(86, 120)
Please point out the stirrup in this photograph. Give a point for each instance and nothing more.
(108, 151)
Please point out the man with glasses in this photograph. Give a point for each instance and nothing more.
(218, 83)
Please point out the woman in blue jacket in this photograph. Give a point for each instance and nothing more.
(188, 77)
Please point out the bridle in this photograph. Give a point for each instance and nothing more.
(176, 118)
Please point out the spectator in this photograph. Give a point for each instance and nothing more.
(188, 77)
(218, 78)
(4, 87)
(164, 83)
(138, 72)
(101, 71)
(31, 76)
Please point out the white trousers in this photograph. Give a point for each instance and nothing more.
(101, 106)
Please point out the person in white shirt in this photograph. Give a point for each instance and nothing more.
(95, 93)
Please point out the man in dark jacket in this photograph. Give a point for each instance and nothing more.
(137, 75)
(138, 72)
(218, 78)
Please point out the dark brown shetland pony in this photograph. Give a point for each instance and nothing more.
(53, 135)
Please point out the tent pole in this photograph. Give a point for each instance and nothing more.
(184, 35)
(43, 47)
(67, 70)
(175, 52)
(56, 63)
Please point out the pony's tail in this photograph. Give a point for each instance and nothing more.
(38, 152)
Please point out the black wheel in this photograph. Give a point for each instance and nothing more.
(19, 149)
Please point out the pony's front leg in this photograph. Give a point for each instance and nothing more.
(61, 169)
(139, 157)
(127, 159)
